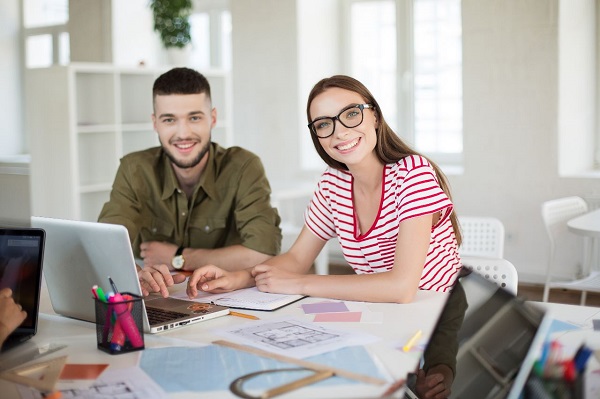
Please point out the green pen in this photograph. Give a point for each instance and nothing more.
(101, 295)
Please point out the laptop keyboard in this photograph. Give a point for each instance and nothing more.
(157, 316)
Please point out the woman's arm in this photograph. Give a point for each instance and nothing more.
(297, 261)
(285, 273)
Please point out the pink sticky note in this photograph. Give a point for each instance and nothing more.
(338, 317)
(324, 307)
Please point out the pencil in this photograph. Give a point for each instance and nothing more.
(247, 316)
(411, 342)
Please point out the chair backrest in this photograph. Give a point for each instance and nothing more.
(557, 212)
(500, 271)
(482, 236)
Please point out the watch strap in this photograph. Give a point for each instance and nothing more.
(179, 250)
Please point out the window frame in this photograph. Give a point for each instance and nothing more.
(405, 84)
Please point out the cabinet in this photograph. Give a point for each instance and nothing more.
(82, 118)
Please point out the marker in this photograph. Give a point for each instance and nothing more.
(247, 316)
(411, 342)
(94, 293)
(100, 294)
(126, 321)
(112, 284)
(118, 338)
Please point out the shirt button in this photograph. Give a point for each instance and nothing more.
(154, 229)
(182, 213)
(207, 228)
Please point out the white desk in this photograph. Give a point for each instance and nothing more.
(399, 324)
(588, 225)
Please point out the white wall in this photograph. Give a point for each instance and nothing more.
(511, 100)
(265, 83)
(12, 141)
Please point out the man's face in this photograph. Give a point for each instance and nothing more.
(184, 123)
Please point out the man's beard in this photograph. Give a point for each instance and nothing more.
(189, 164)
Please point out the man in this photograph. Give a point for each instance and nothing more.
(190, 202)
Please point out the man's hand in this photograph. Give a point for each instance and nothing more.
(156, 253)
(11, 314)
(157, 279)
(435, 384)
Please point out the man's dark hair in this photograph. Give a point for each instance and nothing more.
(181, 81)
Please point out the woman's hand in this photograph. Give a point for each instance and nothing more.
(211, 278)
(274, 279)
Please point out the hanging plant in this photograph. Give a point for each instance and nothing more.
(171, 21)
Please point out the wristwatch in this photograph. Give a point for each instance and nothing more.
(178, 260)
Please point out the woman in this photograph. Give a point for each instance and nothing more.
(389, 206)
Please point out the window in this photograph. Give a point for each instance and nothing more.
(211, 35)
(409, 54)
(45, 35)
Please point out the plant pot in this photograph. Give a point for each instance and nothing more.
(179, 57)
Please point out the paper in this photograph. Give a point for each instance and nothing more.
(193, 368)
(324, 307)
(293, 337)
(114, 383)
(341, 312)
(338, 317)
(247, 298)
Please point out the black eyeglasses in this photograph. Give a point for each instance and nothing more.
(351, 116)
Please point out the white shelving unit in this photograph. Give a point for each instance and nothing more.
(82, 118)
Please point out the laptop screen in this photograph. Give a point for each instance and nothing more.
(21, 257)
(493, 336)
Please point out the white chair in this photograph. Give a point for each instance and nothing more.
(555, 214)
(497, 270)
(481, 236)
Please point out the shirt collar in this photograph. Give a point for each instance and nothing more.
(207, 179)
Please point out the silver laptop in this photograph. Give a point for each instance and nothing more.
(498, 341)
(80, 255)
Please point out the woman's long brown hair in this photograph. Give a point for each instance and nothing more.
(389, 148)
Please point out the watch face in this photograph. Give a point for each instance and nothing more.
(178, 262)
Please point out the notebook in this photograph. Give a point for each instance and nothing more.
(21, 259)
(246, 298)
(80, 255)
(499, 340)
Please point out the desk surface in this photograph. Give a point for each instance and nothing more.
(399, 323)
(587, 224)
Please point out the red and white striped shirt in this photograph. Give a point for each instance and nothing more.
(410, 188)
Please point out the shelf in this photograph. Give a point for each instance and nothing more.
(95, 188)
(94, 98)
(97, 157)
(83, 118)
(84, 129)
(137, 140)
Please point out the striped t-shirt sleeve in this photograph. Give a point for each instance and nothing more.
(420, 193)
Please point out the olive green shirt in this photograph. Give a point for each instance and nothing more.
(230, 205)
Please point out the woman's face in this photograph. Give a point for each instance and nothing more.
(351, 146)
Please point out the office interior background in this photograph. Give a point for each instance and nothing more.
(502, 94)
